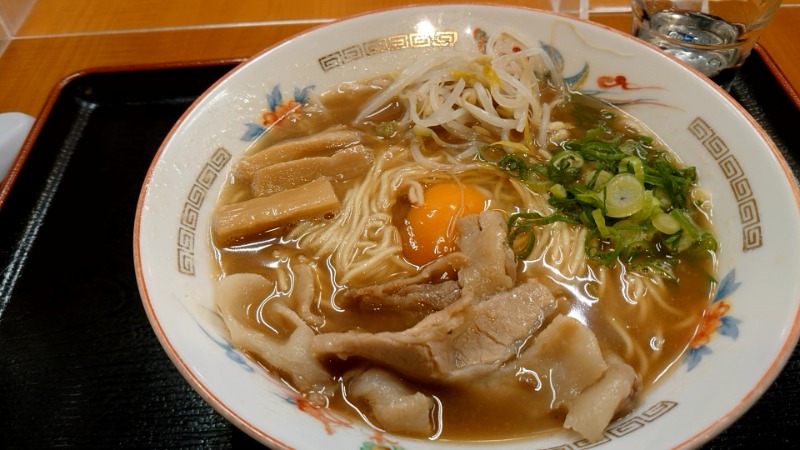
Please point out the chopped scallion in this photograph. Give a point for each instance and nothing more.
(635, 200)
(624, 195)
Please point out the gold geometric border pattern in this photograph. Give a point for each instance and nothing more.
(622, 427)
(387, 44)
(740, 186)
(191, 208)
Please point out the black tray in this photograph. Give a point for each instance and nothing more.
(80, 366)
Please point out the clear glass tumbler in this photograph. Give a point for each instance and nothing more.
(713, 36)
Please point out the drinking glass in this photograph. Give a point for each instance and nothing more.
(578, 8)
(713, 36)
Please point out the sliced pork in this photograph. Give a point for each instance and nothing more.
(290, 357)
(491, 265)
(305, 294)
(592, 410)
(566, 359)
(391, 403)
(565, 363)
(430, 290)
(465, 335)
(485, 265)
(425, 297)
(480, 326)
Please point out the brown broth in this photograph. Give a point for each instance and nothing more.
(656, 333)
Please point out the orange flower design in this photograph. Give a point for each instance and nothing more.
(281, 111)
(711, 321)
(329, 421)
(606, 81)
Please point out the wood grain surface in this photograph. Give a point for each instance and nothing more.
(59, 38)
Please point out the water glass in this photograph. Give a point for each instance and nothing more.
(578, 8)
(713, 36)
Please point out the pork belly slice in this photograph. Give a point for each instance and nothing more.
(429, 290)
(289, 357)
(564, 359)
(245, 220)
(491, 266)
(566, 364)
(305, 295)
(484, 264)
(592, 410)
(465, 338)
(342, 165)
(426, 297)
(320, 144)
(391, 403)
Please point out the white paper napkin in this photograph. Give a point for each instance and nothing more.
(14, 128)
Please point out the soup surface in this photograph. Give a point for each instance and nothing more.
(465, 250)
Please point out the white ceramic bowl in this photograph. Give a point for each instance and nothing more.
(755, 200)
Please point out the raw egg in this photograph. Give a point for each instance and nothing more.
(429, 228)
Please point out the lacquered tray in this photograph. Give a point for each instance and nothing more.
(80, 366)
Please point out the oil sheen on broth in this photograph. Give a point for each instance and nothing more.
(644, 314)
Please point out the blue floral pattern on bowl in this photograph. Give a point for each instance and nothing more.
(277, 110)
(715, 320)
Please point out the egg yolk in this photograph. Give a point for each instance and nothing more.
(429, 229)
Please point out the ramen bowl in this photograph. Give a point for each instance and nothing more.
(756, 212)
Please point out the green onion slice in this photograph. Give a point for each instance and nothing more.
(665, 223)
(624, 195)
